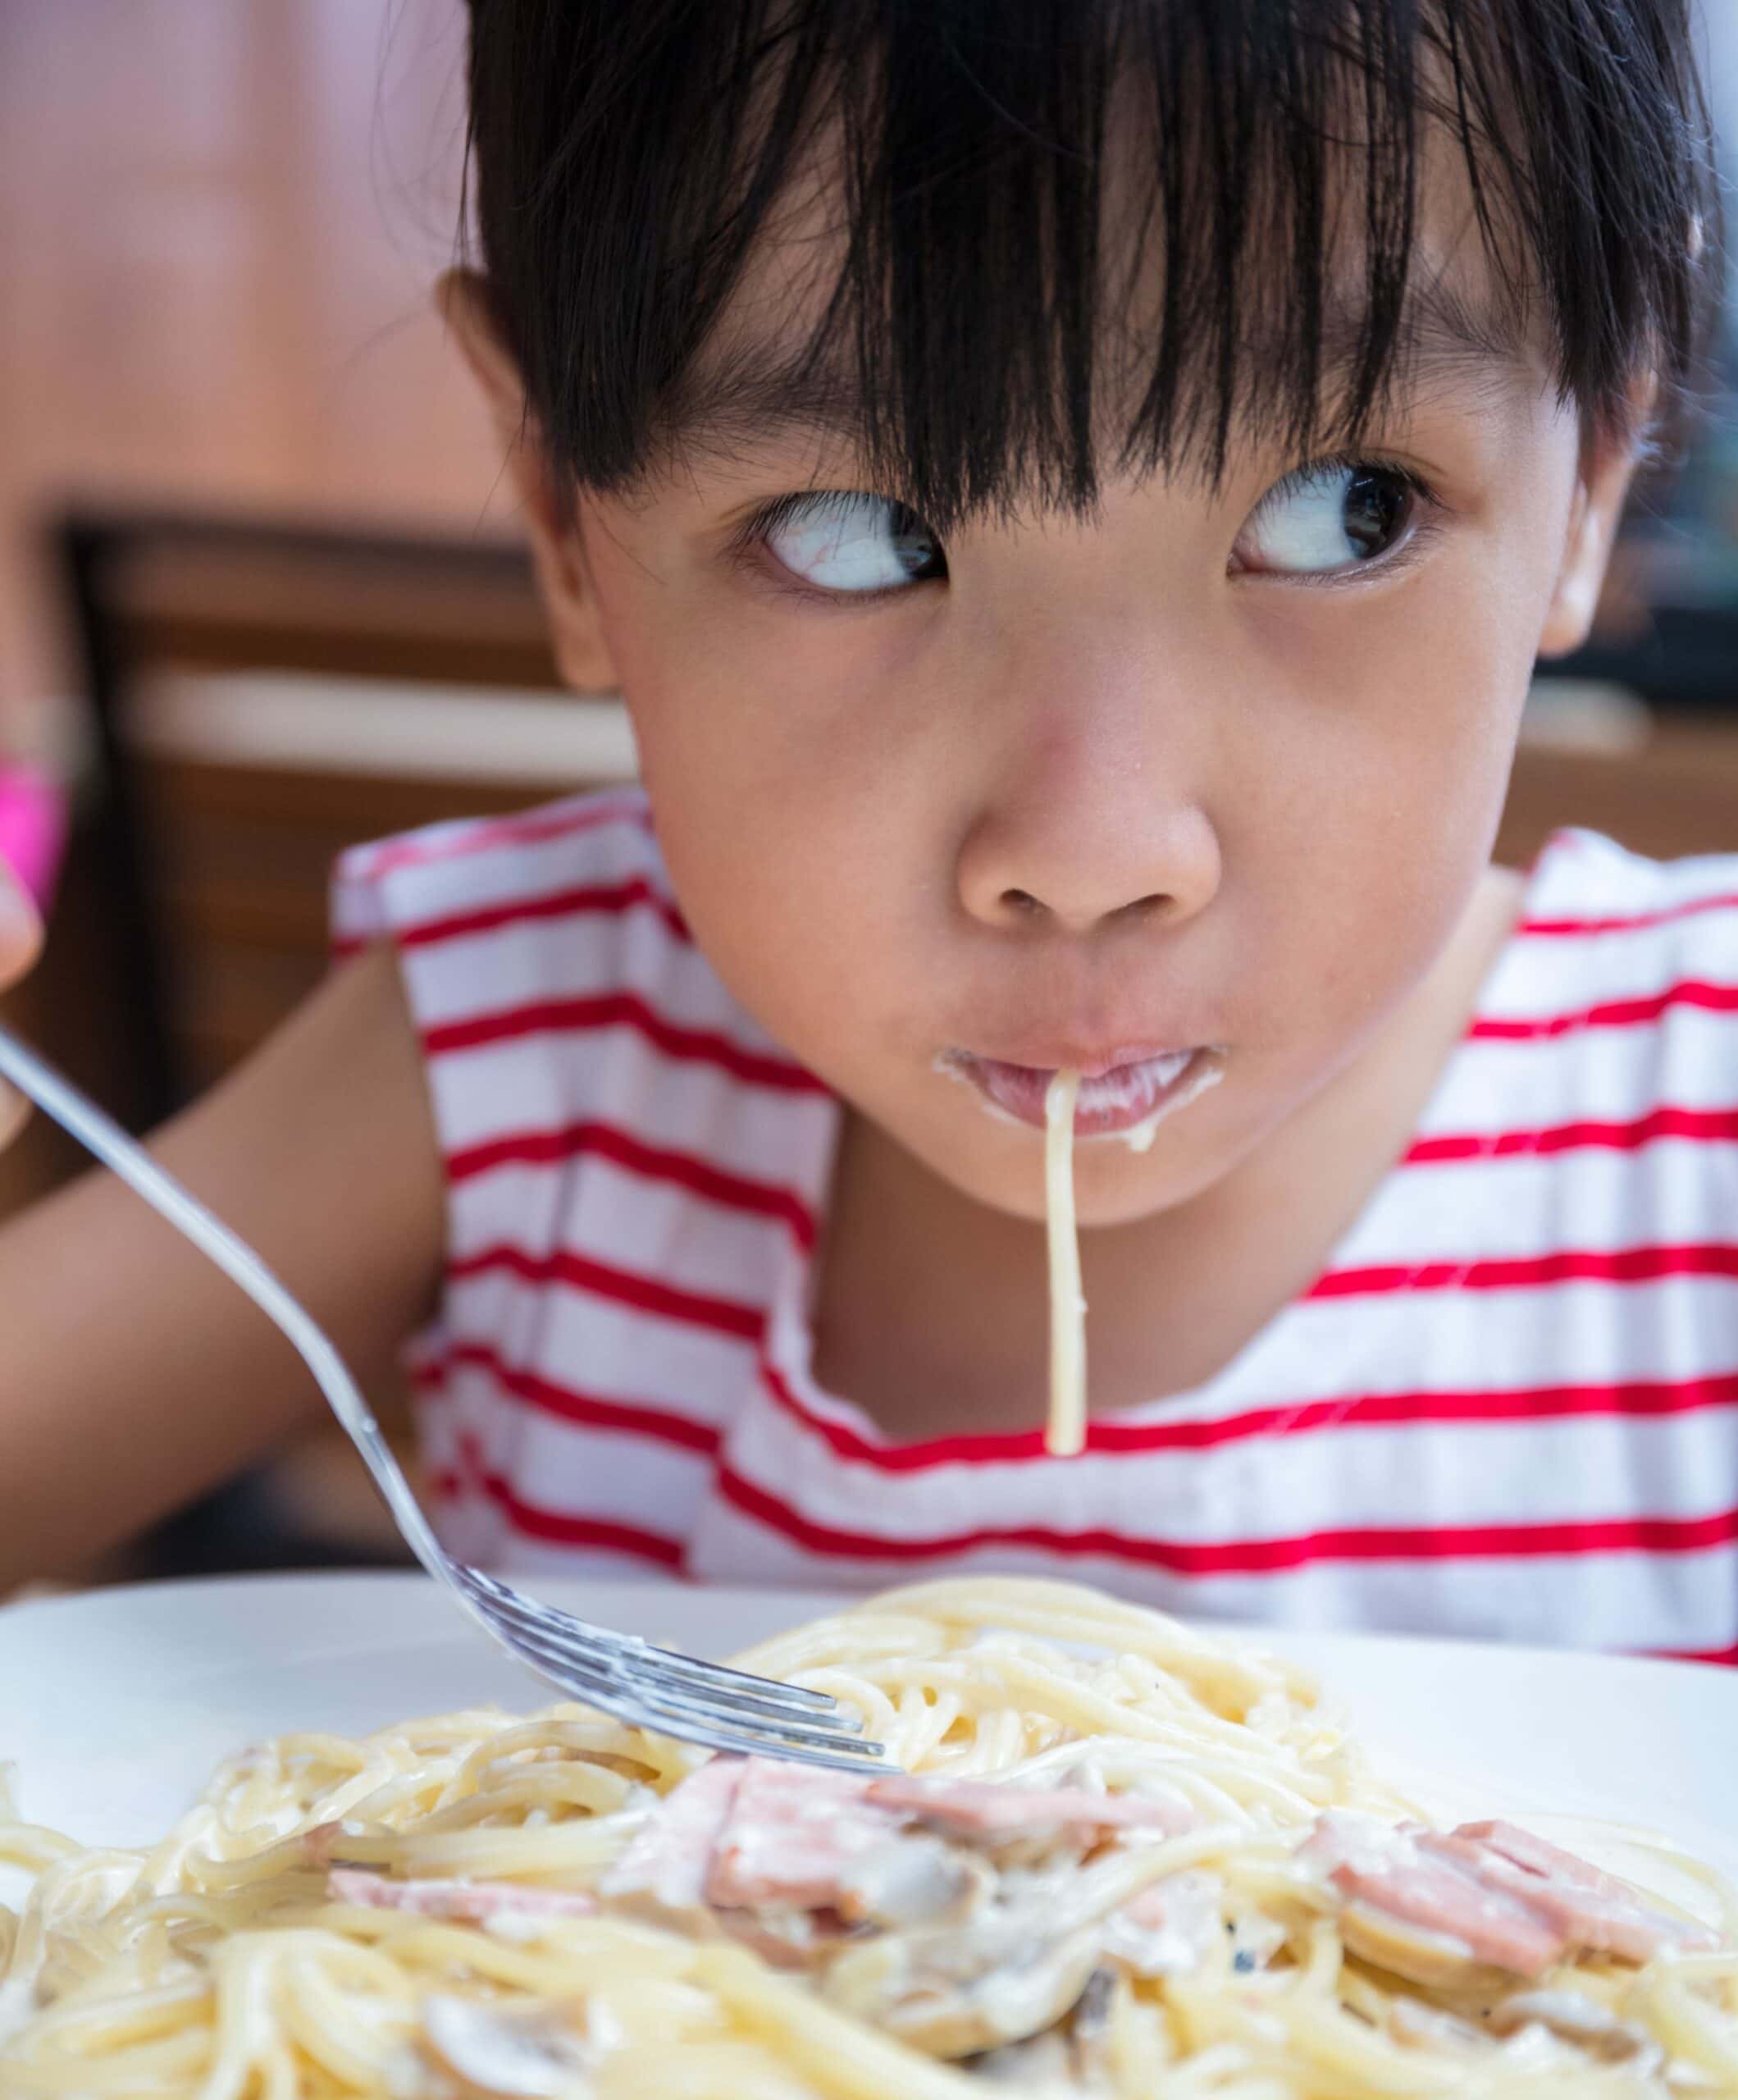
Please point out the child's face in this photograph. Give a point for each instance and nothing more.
(1213, 775)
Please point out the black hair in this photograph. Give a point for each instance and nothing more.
(986, 319)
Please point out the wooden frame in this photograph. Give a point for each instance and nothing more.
(147, 588)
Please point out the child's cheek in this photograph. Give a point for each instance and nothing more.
(1358, 810)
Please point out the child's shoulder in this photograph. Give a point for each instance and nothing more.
(553, 927)
(1618, 992)
(1596, 910)
(488, 871)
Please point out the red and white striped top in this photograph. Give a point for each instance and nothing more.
(1509, 1407)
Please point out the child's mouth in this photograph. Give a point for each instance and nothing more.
(1128, 1094)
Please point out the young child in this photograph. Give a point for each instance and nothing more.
(1072, 494)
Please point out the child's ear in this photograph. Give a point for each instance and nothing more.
(1599, 497)
(563, 578)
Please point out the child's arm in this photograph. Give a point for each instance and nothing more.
(133, 1374)
(20, 938)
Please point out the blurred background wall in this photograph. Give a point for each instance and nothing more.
(219, 219)
(261, 592)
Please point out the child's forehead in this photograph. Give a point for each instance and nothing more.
(773, 374)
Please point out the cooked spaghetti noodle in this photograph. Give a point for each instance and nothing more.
(1064, 1434)
(1131, 1860)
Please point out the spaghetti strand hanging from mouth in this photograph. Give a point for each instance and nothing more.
(1064, 1434)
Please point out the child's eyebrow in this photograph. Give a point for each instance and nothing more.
(754, 395)
(1439, 333)
(751, 396)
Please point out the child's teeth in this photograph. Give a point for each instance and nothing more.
(1131, 1083)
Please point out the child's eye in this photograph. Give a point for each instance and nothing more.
(1331, 516)
(849, 542)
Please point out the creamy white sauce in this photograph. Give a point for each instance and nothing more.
(517, 2059)
(17, 2004)
(1140, 1137)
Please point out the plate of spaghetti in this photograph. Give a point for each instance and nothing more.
(1121, 1856)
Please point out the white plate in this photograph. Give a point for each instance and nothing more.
(116, 1706)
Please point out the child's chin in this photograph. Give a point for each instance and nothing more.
(1130, 1188)
(1114, 1184)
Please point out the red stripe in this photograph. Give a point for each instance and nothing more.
(1726, 1658)
(594, 897)
(1635, 923)
(724, 1315)
(733, 1191)
(555, 1527)
(1702, 1126)
(635, 1417)
(530, 828)
(1569, 1265)
(622, 1010)
(1614, 1013)
(1369, 1410)
(1253, 1556)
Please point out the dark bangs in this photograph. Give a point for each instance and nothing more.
(1069, 237)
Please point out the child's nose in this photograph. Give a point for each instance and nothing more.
(1084, 854)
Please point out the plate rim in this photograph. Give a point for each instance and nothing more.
(1252, 1632)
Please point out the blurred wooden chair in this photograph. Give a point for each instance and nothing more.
(261, 698)
(1663, 781)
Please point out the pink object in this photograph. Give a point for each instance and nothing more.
(465, 1902)
(33, 830)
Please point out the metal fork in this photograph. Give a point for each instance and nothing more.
(618, 1673)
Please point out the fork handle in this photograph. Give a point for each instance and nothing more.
(100, 1135)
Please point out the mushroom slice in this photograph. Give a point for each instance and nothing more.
(914, 1881)
(1169, 1927)
(497, 2055)
(1011, 2003)
(1069, 2060)
(1045, 2066)
(1091, 2029)
(1574, 2017)
(1420, 2026)
(1417, 1952)
(1010, 1971)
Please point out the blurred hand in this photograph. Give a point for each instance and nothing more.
(21, 938)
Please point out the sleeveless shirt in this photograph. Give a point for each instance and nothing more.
(1507, 1408)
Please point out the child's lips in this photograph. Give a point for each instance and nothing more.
(1127, 1092)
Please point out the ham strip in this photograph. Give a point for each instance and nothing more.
(1594, 1908)
(1388, 1871)
(1487, 1893)
(468, 1902)
(993, 1814)
(752, 1833)
(668, 1858)
(793, 1835)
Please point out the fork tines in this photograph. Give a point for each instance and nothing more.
(708, 1703)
